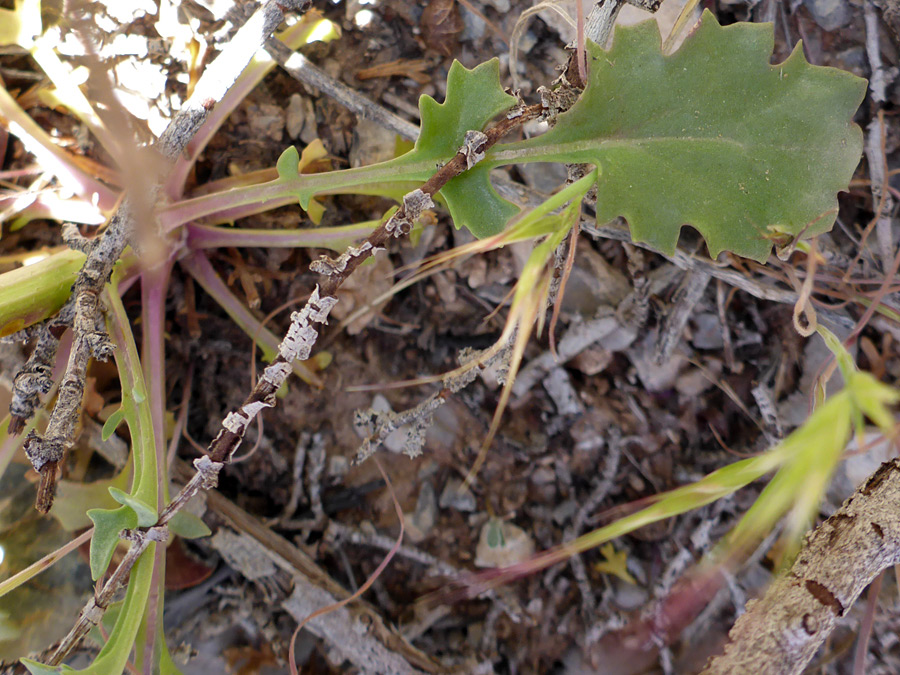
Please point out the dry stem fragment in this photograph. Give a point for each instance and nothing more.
(380, 424)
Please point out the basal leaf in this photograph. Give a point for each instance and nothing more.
(108, 525)
(712, 136)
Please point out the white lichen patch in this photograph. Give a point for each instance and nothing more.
(474, 147)
(301, 336)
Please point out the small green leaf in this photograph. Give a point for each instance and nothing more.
(712, 136)
(188, 526)
(112, 423)
(287, 163)
(146, 514)
(108, 525)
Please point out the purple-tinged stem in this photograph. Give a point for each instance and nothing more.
(199, 267)
(258, 68)
(334, 238)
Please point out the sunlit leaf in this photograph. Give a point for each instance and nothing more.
(22, 24)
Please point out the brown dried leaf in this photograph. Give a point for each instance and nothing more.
(440, 24)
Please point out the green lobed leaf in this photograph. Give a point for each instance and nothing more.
(474, 98)
(712, 136)
(108, 525)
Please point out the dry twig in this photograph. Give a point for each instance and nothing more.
(780, 633)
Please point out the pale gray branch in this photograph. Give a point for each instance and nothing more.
(780, 633)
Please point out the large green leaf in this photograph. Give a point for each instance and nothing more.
(712, 136)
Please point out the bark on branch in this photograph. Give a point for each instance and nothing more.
(780, 632)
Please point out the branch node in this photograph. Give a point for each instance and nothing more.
(209, 471)
(93, 612)
(75, 240)
(158, 534)
(402, 221)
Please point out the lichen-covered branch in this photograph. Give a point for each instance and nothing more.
(297, 344)
(379, 424)
(302, 334)
(92, 613)
(46, 452)
(780, 632)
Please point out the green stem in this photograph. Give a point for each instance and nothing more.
(388, 178)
